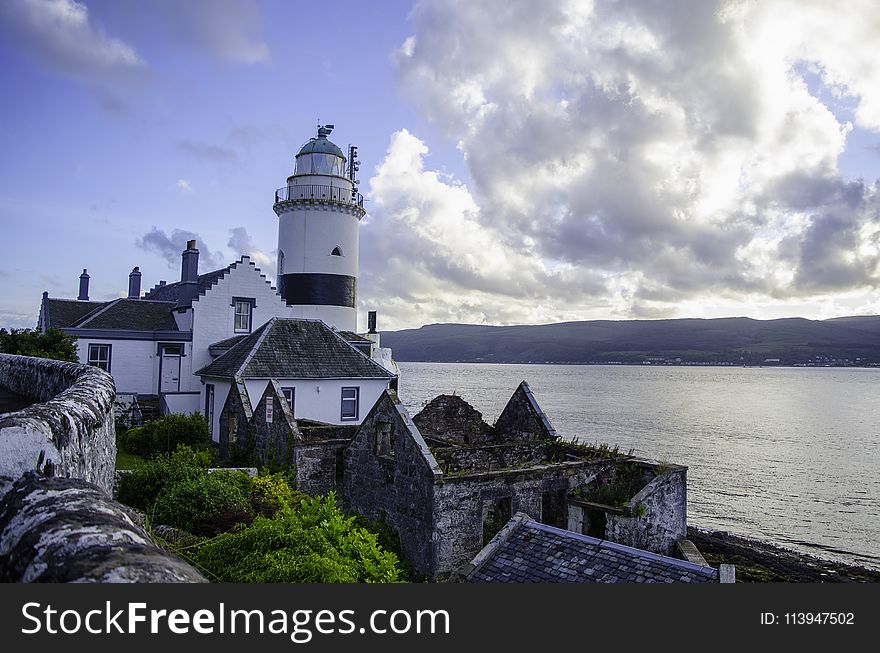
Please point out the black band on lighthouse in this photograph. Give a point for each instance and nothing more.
(318, 289)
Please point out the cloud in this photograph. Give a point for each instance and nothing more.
(225, 29)
(241, 243)
(62, 34)
(184, 185)
(666, 156)
(170, 247)
(207, 152)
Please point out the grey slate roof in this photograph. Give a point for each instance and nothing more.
(294, 349)
(130, 314)
(352, 337)
(526, 551)
(228, 343)
(64, 312)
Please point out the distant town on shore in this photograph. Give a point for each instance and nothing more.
(739, 341)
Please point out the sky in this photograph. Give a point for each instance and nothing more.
(522, 161)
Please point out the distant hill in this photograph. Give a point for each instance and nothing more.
(736, 340)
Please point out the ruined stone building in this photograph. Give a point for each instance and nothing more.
(447, 482)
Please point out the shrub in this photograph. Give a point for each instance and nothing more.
(166, 434)
(30, 342)
(311, 543)
(140, 487)
(270, 493)
(202, 504)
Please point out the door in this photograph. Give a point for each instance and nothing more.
(170, 379)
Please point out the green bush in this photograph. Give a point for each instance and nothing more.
(310, 543)
(270, 493)
(30, 342)
(141, 487)
(203, 504)
(165, 434)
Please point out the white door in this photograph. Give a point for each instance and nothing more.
(170, 381)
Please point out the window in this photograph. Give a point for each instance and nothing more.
(290, 396)
(209, 407)
(384, 441)
(99, 356)
(336, 251)
(280, 262)
(243, 312)
(350, 398)
(270, 409)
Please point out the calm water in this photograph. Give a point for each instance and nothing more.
(786, 455)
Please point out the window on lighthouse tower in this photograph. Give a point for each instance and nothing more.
(337, 251)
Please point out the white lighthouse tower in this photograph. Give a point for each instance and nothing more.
(319, 213)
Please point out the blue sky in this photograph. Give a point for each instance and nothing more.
(522, 163)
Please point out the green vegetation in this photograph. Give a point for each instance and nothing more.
(164, 435)
(242, 529)
(313, 542)
(30, 342)
(126, 460)
(618, 489)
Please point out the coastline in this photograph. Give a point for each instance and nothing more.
(759, 562)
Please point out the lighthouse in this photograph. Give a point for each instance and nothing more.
(319, 213)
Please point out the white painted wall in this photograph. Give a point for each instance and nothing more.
(134, 365)
(321, 400)
(213, 314)
(221, 392)
(186, 404)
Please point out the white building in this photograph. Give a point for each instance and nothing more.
(154, 345)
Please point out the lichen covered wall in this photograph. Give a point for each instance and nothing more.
(657, 515)
(71, 433)
(451, 418)
(68, 530)
(320, 467)
(396, 486)
(461, 504)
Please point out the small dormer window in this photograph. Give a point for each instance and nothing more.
(337, 251)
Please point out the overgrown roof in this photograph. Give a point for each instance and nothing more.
(287, 348)
(526, 551)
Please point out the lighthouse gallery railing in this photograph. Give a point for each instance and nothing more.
(319, 192)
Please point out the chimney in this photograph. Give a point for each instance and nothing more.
(84, 286)
(189, 268)
(371, 321)
(134, 283)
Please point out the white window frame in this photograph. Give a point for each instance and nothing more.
(289, 393)
(348, 401)
(248, 315)
(270, 409)
(95, 360)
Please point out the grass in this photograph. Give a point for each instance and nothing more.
(125, 460)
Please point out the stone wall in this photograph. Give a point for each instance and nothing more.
(320, 468)
(234, 420)
(522, 418)
(656, 517)
(396, 486)
(71, 433)
(451, 419)
(272, 442)
(490, 457)
(461, 504)
(68, 530)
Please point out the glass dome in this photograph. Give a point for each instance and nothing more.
(320, 156)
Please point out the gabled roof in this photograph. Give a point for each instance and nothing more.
(61, 313)
(286, 348)
(526, 551)
(129, 314)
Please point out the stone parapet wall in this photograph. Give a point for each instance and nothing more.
(68, 530)
(71, 433)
